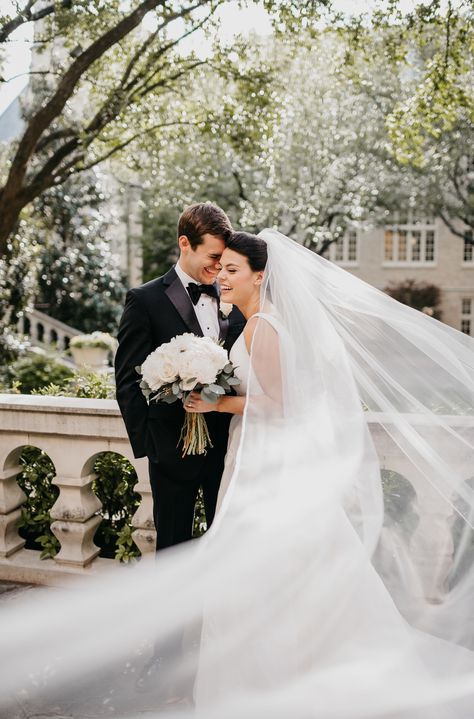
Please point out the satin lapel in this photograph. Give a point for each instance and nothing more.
(223, 321)
(223, 325)
(182, 302)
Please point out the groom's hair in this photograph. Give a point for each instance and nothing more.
(201, 219)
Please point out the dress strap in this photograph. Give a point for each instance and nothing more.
(271, 319)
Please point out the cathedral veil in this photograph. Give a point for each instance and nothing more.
(337, 581)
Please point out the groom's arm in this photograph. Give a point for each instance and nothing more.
(135, 343)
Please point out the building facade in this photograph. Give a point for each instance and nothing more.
(422, 251)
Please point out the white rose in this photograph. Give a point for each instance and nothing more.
(160, 368)
(194, 368)
(216, 354)
(183, 343)
(202, 363)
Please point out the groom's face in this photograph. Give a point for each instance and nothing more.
(202, 262)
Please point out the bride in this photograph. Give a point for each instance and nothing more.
(337, 580)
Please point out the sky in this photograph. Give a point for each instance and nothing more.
(233, 19)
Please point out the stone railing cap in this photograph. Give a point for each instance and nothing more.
(69, 405)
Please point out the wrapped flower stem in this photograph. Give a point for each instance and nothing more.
(194, 435)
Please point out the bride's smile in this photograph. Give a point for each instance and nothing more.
(239, 283)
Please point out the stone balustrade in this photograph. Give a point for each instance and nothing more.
(73, 432)
(44, 330)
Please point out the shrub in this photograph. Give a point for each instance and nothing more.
(36, 370)
(36, 481)
(95, 339)
(83, 383)
(419, 295)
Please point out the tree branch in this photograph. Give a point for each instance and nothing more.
(27, 16)
(238, 179)
(122, 145)
(39, 123)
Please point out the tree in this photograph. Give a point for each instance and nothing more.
(430, 126)
(79, 281)
(130, 76)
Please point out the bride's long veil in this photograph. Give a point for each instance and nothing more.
(337, 581)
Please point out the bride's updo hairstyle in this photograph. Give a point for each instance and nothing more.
(251, 247)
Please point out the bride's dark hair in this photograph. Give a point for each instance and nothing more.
(251, 247)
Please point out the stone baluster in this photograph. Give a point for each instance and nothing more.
(144, 534)
(76, 520)
(432, 546)
(11, 499)
(33, 329)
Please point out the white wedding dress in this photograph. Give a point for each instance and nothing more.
(240, 358)
(337, 579)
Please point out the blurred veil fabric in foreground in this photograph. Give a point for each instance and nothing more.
(337, 581)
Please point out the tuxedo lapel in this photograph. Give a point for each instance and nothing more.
(223, 325)
(181, 301)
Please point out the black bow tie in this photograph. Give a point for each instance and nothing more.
(195, 291)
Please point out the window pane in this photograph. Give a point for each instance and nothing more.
(402, 245)
(466, 327)
(352, 247)
(339, 249)
(468, 250)
(388, 245)
(466, 306)
(416, 245)
(429, 246)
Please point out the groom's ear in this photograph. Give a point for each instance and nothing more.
(184, 243)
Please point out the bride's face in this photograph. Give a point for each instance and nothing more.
(238, 282)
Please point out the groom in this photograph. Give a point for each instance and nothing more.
(185, 299)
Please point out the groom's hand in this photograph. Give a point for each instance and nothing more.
(194, 403)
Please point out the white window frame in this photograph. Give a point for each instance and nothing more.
(342, 258)
(424, 229)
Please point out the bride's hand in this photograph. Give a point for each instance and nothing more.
(194, 403)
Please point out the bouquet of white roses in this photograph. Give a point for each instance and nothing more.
(185, 364)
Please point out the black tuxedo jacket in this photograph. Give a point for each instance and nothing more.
(155, 313)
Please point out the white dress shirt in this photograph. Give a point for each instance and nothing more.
(206, 308)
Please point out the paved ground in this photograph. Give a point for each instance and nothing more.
(11, 590)
(95, 698)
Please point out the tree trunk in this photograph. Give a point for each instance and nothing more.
(11, 205)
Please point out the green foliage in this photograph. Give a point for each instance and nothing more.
(17, 283)
(159, 240)
(81, 384)
(399, 499)
(79, 282)
(34, 371)
(114, 487)
(96, 339)
(36, 481)
(421, 296)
